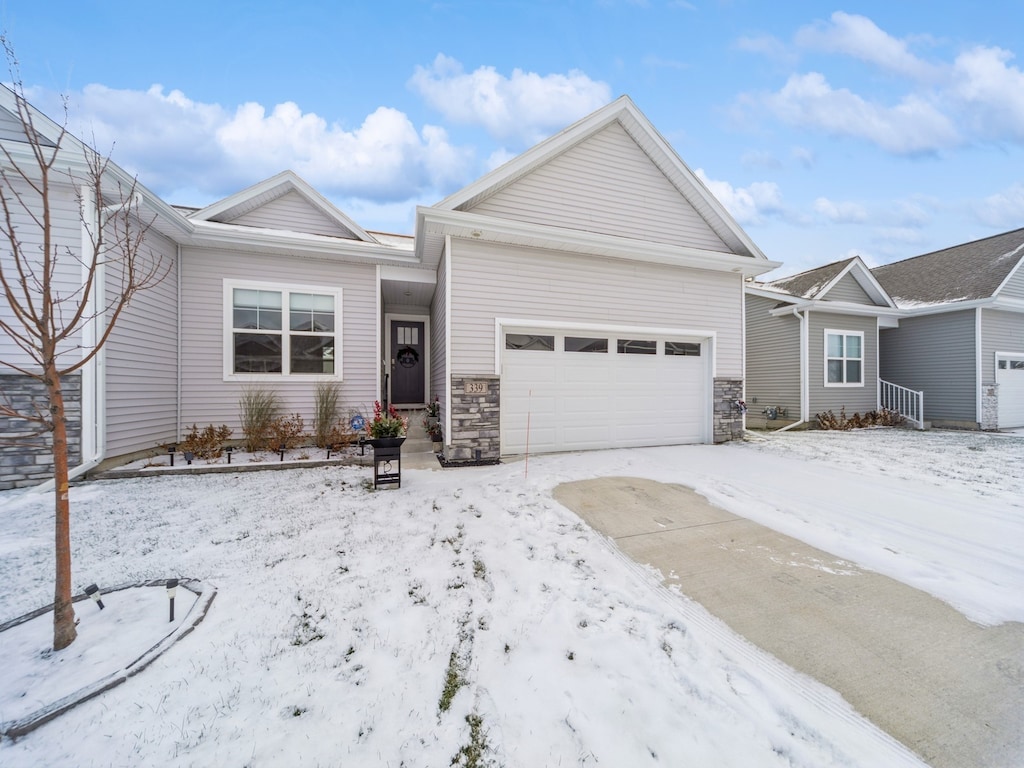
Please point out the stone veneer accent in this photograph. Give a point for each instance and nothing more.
(30, 461)
(728, 418)
(989, 406)
(476, 420)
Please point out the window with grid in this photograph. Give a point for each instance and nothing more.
(844, 358)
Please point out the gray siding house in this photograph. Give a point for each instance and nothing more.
(812, 344)
(587, 294)
(960, 337)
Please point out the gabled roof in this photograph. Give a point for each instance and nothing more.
(633, 121)
(815, 284)
(270, 189)
(967, 272)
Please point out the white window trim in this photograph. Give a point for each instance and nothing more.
(284, 289)
(826, 357)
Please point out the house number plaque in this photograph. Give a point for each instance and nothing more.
(476, 387)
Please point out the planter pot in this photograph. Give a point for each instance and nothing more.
(437, 446)
(385, 442)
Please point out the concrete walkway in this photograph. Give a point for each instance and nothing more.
(948, 689)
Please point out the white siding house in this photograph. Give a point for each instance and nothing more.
(599, 240)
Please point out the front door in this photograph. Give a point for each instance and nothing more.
(408, 363)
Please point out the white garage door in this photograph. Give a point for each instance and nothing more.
(572, 390)
(1010, 378)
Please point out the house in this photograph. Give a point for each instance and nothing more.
(960, 337)
(587, 294)
(812, 344)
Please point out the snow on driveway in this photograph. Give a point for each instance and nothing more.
(468, 612)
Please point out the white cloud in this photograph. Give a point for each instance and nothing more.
(806, 157)
(1004, 209)
(176, 144)
(524, 106)
(989, 92)
(760, 159)
(748, 205)
(860, 37)
(976, 96)
(842, 212)
(912, 126)
(768, 46)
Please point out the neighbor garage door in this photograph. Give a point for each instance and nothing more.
(1010, 378)
(565, 391)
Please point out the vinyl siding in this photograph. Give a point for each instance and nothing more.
(608, 185)
(1014, 288)
(848, 289)
(293, 213)
(438, 332)
(490, 281)
(66, 235)
(935, 354)
(853, 399)
(1001, 331)
(773, 358)
(142, 361)
(206, 397)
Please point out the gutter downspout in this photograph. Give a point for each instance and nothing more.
(177, 309)
(805, 397)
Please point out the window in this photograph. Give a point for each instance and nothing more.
(530, 341)
(686, 348)
(844, 358)
(585, 344)
(281, 331)
(637, 347)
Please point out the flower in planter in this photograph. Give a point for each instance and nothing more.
(388, 424)
(435, 434)
(433, 408)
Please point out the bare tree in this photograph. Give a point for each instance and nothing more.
(46, 318)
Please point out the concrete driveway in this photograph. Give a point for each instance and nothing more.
(948, 689)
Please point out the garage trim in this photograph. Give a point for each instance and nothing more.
(706, 338)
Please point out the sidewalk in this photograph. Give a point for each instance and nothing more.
(949, 689)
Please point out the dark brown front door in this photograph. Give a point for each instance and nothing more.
(408, 364)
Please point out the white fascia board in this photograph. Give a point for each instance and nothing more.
(1019, 266)
(768, 293)
(859, 271)
(287, 181)
(213, 234)
(472, 226)
(951, 306)
(838, 308)
(408, 274)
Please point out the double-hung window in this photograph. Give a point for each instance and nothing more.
(281, 330)
(844, 358)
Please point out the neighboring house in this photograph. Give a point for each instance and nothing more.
(960, 338)
(587, 294)
(812, 344)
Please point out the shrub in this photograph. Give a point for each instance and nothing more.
(882, 418)
(286, 432)
(325, 412)
(258, 408)
(208, 444)
(339, 436)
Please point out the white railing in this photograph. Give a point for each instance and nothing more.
(909, 403)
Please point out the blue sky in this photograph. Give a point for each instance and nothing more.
(885, 129)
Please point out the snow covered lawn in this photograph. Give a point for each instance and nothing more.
(467, 616)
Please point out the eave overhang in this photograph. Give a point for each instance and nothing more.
(433, 225)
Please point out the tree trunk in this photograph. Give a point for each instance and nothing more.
(64, 632)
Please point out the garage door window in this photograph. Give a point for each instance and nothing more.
(585, 344)
(637, 347)
(530, 341)
(682, 348)
(1011, 365)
